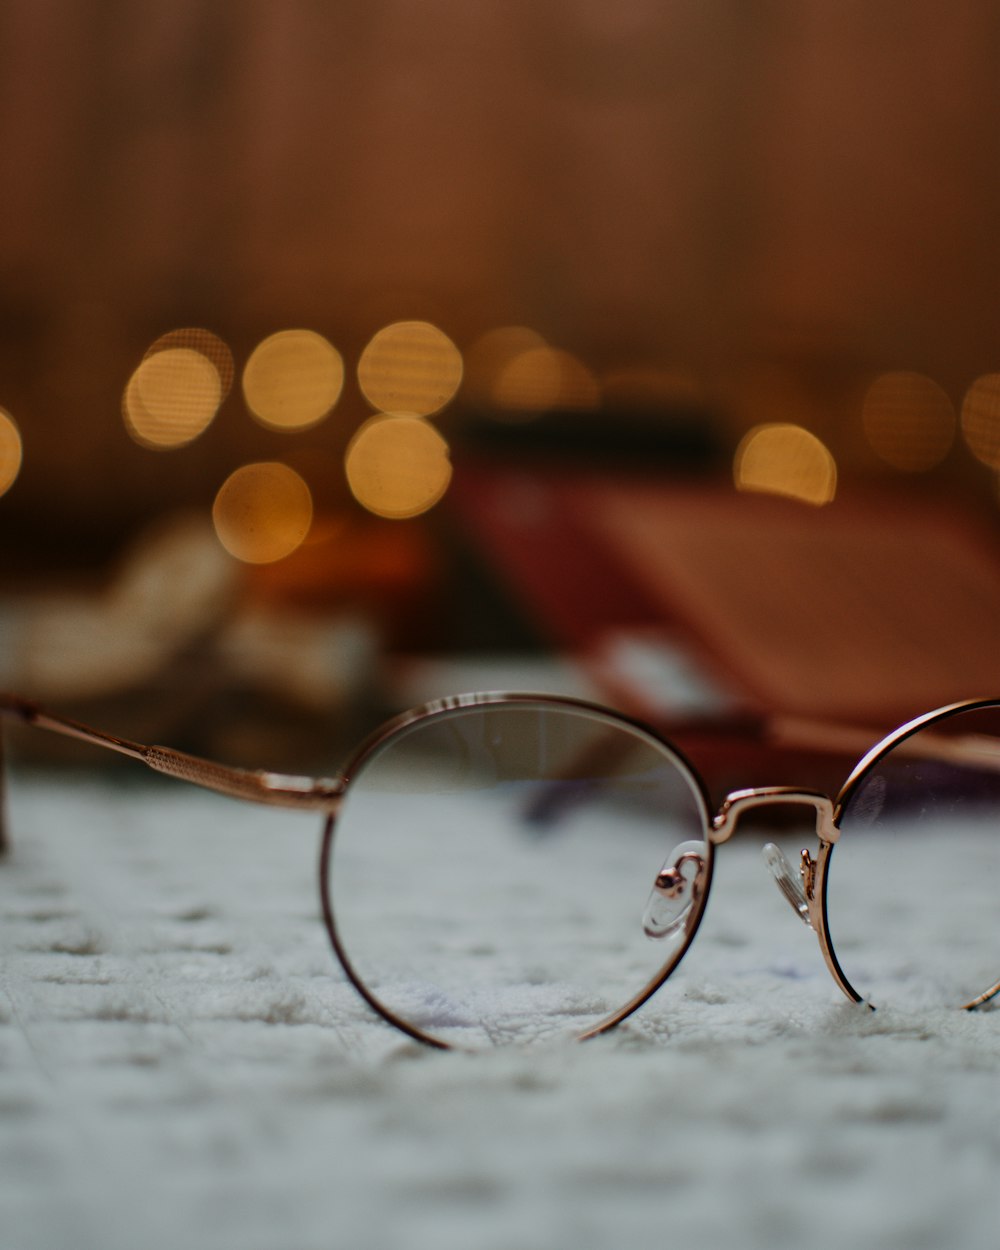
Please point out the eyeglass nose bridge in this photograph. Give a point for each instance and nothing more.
(741, 801)
(800, 892)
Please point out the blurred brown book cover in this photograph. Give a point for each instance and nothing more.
(865, 612)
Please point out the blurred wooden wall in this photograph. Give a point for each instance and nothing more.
(731, 185)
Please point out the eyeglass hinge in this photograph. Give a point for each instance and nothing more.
(807, 870)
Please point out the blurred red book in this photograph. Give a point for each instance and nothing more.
(698, 606)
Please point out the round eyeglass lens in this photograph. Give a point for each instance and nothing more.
(913, 882)
(492, 871)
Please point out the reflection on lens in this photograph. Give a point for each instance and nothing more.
(913, 881)
(492, 866)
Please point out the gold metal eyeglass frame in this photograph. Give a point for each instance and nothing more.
(806, 890)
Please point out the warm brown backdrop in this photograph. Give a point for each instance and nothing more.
(794, 188)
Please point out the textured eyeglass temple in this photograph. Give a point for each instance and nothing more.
(322, 794)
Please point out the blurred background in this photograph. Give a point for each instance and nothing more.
(272, 274)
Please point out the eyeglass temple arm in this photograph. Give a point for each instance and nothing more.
(969, 750)
(839, 738)
(275, 789)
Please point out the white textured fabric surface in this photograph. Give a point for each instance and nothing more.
(181, 1064)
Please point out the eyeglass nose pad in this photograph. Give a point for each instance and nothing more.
(678, 884)
(791, 888)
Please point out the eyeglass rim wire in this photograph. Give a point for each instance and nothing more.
(326, 794)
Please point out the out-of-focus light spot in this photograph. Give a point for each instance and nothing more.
(262, 512)
(542, 379)
(490, 354)
(410, 367)
(397, 466)
(786, 460)
(293, 379)
(11, 451)
(204, 341)
(981, 419)
(171, 397)
(909, 421)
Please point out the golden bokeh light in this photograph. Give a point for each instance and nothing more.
(542, 379)
(410, 367)
(397, 466)
(781, 459)
(293, 379)
(171, 397)
(909, 421)
(204, 341)
(262, 512)
(490, 354)
(11, 451)
(981, 419)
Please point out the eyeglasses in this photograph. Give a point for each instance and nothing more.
(500, 865)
